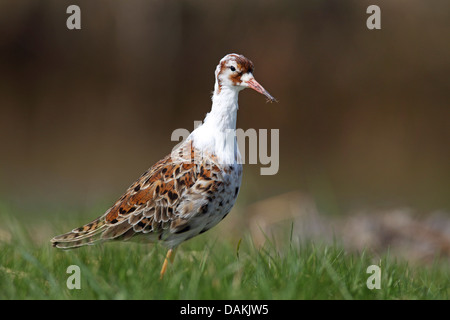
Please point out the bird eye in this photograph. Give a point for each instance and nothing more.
(232, 68)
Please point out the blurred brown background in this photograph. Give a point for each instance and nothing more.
(363, 115)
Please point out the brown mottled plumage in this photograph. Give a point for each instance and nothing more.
(171, 202)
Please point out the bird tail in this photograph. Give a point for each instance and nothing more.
(85, 235)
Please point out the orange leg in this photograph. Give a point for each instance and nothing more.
(166, 262)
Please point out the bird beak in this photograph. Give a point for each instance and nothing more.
(252, 83)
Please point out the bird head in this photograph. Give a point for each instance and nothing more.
(236, 72)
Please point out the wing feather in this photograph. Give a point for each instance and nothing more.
(165, 197)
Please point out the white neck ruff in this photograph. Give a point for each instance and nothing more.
(217, 134)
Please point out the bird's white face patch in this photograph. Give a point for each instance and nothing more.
(246, 77)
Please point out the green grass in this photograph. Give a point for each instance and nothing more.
(209, 267)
